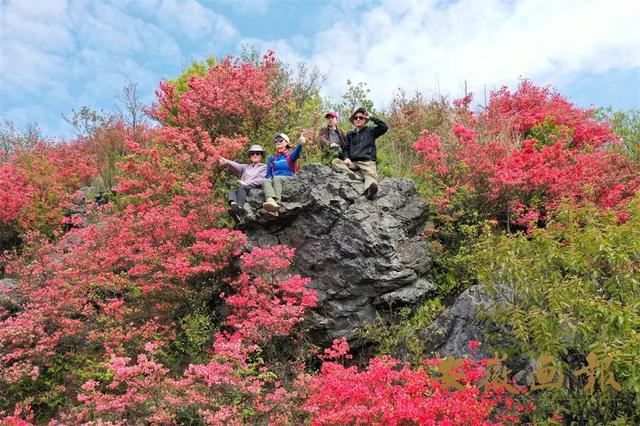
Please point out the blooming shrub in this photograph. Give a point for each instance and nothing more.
(390, 393)
(15, 193)
(38, 185)
(100, 309)
(232, 98)
(528, 151)
(265, 306)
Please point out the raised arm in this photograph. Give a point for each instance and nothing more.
(233, 167)
(380, 127)
(296, 152)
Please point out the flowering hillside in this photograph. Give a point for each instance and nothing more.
(156, 311)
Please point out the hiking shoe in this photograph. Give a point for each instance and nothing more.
(235, 207)
(371, 191)
(235, 216)
(270, 205)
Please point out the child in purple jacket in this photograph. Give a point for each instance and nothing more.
(251, 177)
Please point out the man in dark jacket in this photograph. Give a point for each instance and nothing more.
(359, 151)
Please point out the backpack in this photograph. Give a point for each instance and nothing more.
(292, 165)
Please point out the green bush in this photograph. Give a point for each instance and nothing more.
(626, 124)
(403, 333)
(575, 291)
(196, 335)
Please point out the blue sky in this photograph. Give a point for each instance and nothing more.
(57, 55)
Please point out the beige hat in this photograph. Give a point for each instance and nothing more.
(256, 148)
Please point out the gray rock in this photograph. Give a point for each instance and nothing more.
(8, 283)
(363, 256)
(418, 290)
(450, 333)
(9, 297)
(78, 208)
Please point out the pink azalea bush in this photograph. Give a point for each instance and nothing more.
(527, 152)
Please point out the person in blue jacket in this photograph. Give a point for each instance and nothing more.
(281, 165)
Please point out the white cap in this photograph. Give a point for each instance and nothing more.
(281, 135)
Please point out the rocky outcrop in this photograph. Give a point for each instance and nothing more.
(80, 203)
(449, 335)
(364, 257)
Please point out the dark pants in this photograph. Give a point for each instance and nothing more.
(239, 195)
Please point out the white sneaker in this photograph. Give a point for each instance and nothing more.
(270, 205)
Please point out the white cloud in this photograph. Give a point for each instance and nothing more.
(58, 55)
(191, 18)
(43, 26)
(63, 43)
(249, 6)
(438, 46)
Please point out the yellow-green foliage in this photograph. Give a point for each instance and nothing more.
(576, 291)
(181, 83)
(548, 132)
(53, 388)
(196, 333)
(626, 124)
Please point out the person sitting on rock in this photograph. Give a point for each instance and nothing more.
(251, 177)
(359, 152)
(281, 165)
(331, 137)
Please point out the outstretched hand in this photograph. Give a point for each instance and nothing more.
(302, 139)
(223, 161)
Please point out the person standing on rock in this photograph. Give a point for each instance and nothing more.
(331, 137)
(359, 151)
(251, 177)
(281, 165)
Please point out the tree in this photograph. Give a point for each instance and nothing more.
(196, 68)
(356, 96)
(627, 125)
(132, 109)
(86, 121)
(13, 140)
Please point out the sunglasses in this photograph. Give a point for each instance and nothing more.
(255, 153)
(279, 140)
(359, 117)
